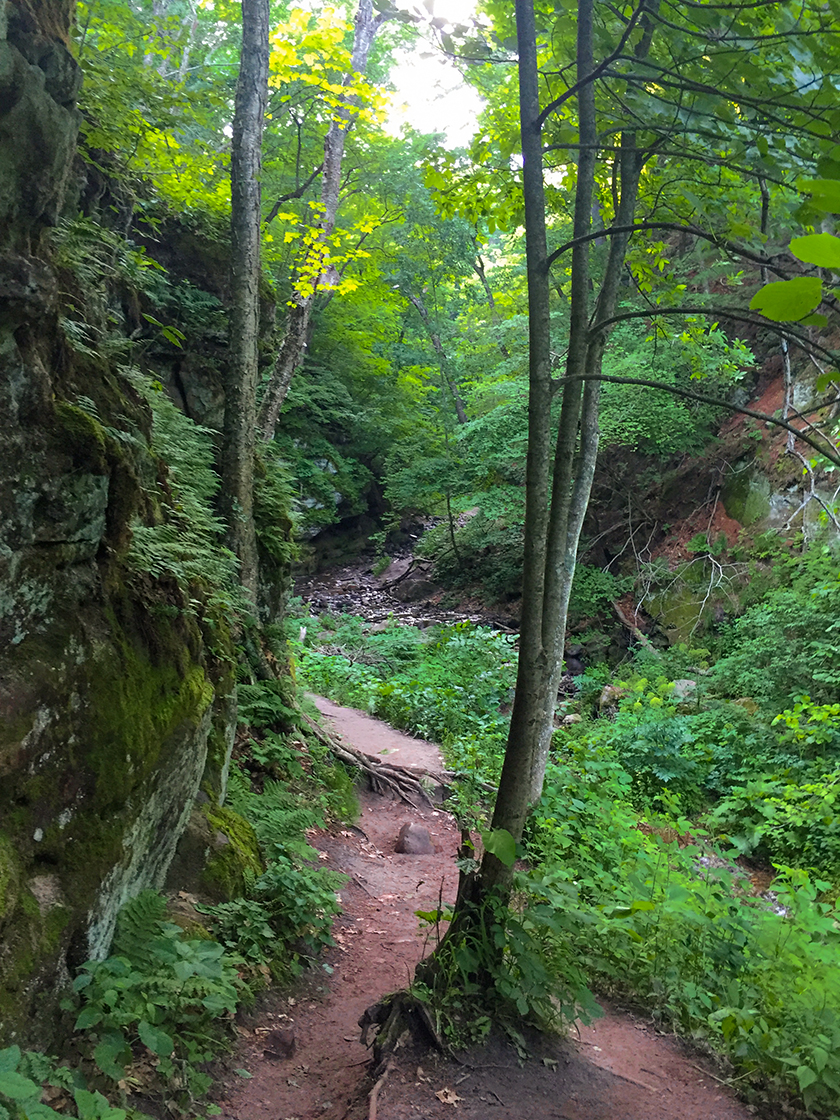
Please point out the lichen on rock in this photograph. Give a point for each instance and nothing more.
(107, 685)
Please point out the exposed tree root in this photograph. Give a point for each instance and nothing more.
(374, 1093)
(388, 1023)
(383, 776)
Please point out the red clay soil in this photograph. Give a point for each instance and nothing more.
(303, 1053)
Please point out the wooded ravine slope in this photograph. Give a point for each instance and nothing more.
(619, 300)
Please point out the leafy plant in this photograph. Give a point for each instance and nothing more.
(505, 970)
(185, 544)
(813, 729)
(785, 818)
(296, 787)
(243, 926)
(23, 1078)
(788, 645)
(164, 992)
(301, 900)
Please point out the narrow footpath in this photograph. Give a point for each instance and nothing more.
(303, 1056)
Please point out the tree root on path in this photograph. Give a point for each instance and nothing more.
(383, 776)
(387, 1024)
(374, 1093)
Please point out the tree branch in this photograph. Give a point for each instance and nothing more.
(676, 227)
(827, 449)
(597, 72)
(787, 329)
(298, 193)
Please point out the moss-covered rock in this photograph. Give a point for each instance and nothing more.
(106, 691)
(9, 877)
(117, 698)
(234, 854)
(746, 495)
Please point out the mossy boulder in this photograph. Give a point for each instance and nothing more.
(217, 854)
(234, 854)
(117, 697)
(746, 495)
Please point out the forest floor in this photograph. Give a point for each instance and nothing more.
(302, 1053)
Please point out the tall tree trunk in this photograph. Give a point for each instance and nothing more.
(241, 380)
(553, 552)
(294, 342)
(548, 540)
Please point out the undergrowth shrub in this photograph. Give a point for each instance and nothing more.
(29, 1078)
(658, 916)
(285, 785)
(788, 644)
(298, 897)
(786, 818)
(503, 969)
(158, 992)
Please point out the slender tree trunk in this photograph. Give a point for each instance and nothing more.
(552, 531)
(293, 346)
(443, 361)
(513, 798)
(479, 270)
(192, 23)
(241, 380)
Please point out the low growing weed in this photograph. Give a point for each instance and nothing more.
(284, 786)
(670, 924)
(29, 1079)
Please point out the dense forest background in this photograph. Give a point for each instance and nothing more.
(153, 737)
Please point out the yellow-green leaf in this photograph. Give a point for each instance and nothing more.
(788, 301)
(825, 193)
(821, 249)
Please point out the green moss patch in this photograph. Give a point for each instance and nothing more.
(134, 707)
(234, 854)
(85, 434)
(9, 877)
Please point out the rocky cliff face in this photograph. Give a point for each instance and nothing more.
(107, 694)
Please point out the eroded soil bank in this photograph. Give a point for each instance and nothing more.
(303, 1053)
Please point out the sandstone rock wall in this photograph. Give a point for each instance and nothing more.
(107, 693)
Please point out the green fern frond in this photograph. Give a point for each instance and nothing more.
(139, 922)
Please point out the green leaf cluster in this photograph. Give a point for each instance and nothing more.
(162, 991)
(23, 1077)
(797, 300)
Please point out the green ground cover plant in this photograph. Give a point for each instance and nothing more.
(26, 1077)
(284, 784)
(162, 991)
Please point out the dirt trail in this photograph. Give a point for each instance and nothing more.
(303, 1053)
